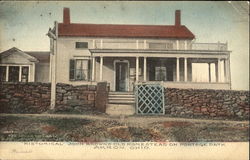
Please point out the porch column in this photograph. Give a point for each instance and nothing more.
(225, 70)
(177, 69)
(185, 69)
(145, 69)
(7, 73)
(20, 73)
(137, 70)
(209, 72)
(145, 44)
(228, 70)
(219, 70)
(137, 44)
(93, 69)
(29, 78)
(101, 64)
(34, 72)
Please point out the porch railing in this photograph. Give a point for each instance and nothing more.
(209, 46)
(132, 44)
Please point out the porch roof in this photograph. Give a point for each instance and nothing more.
(159, 53)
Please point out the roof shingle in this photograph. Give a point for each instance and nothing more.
(124, 31)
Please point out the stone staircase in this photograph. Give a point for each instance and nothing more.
(121, 103)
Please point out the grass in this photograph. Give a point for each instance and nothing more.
(14, 128)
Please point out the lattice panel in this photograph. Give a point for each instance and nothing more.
(149, 99)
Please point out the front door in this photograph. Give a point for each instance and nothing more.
(121, 78)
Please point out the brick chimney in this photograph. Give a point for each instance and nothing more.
(178, 17)
(66, 16)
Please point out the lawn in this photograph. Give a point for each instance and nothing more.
(18, 128)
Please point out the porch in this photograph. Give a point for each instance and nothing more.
(181, 70)
(122, 73)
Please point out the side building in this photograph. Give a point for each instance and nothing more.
(21, 66)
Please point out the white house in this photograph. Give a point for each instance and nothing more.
(125, 54)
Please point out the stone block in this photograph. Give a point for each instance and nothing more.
(92, 88)
(204, 109)
(36, 95)
(212, 114)
(83, 97)
(47, 96)
(91, 97)
(18, 95)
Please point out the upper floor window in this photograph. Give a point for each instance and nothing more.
(157, 45)
(81, 44)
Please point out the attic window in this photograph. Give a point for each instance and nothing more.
(81, 44)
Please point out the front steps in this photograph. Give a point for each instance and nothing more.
(121, 103)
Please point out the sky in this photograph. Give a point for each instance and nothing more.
(24, 24)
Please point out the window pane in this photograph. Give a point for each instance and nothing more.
(78, 64)
(72, 69)
(13, 74)
(160, 73)
(2, 73)
(81, 44)
(79, 74)
(25, 74)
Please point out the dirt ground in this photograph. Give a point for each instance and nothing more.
(102, 128)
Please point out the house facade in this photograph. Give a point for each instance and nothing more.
(124, 55)
(24, 66)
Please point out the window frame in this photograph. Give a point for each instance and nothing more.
(83, 47)
(73, 71)
(7, 71)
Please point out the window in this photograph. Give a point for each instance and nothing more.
(79, 70)
(13, 73)
(160, 73)
(157, 45)
(2, 73)
(25, 74)
(81, 44)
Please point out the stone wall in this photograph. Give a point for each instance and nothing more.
(207, 103)
(24, 97)
(35, 98)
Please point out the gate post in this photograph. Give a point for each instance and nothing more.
(101, 99)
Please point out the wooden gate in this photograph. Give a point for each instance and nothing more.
(149, 99)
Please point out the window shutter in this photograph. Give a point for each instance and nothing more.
(72, 69)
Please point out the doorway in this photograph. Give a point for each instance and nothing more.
(121, 76)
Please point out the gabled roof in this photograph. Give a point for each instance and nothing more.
(15, 50)
(124, 31)
(33, 56)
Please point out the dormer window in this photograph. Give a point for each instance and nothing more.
(83, 45)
